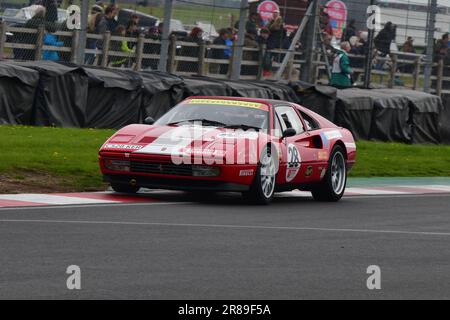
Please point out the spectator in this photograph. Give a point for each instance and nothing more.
(441, 49)
(135, 19)
(93, 27)
(196, 36)
(385, 37)
(408, 47)
(342, 73)
(132, 32)
(267, 59)
(229, 42)
(357, 49)
(250, 42)
(51, 12)
(277, 32)
(264, 35)
(120, 46)
(51, 40)
(349, 31)
(152, 48)
(251, 26)
(35, 22)
(97, 9)
(160, 29)
(325, 25)
(218, 53)
(442, 52)
(110, 23)
(363, 37)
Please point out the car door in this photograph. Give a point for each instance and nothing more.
(298, 165)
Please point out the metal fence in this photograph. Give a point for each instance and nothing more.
(20, 41)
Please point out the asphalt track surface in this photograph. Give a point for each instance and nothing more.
(224, 249)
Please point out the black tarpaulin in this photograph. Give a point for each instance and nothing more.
(278, 90)
(354, 109)
(320, 99)
(17, 91)
(155, 81)
(198, 86)
(161, 92)
(246, 89)
(114, 98)
(67, 95)
(61, 94)
(391, 114)
(425, 112)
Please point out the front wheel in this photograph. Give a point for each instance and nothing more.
(263, 186)
(332, 187)
(124, 188)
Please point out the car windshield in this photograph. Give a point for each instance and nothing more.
(219, 113)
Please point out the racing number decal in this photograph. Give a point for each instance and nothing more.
(293, 162)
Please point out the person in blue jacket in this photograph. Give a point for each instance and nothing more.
(51, 40)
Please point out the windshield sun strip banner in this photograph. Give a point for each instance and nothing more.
(234, 103)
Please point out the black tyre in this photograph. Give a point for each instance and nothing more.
(263, 187)
(332, 187)
(124, 188)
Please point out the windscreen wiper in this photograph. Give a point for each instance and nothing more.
(203, 121)
(242, 126)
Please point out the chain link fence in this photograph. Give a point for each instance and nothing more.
(204, 33)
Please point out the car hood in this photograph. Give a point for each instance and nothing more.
(170, 140)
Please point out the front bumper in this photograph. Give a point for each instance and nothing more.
(174, 184)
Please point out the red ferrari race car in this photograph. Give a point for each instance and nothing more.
(254, 146)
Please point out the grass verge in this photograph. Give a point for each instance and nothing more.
(50, 159)
(37, 159)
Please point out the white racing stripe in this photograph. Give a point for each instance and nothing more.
(172, 141)
(52, 199)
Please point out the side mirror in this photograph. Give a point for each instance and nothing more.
(149, 121)
(289, 133)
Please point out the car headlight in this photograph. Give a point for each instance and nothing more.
(205, 171)
(117, 165)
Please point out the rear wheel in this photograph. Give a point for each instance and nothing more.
(263, 186)
(124, 188)
(332, 187)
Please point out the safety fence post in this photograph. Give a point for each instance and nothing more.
(3, 27)
(139, 52)
(231, 64)
(74, 48)
(201, 59)
(105, 48)
(262, 54)
(416, 74)
(172, 53)
(392, 71)
(440, 75)
(39, 42)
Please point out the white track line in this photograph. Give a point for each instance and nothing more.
(131, 223)
(118, 204)
(50, 199)
(364, 191)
